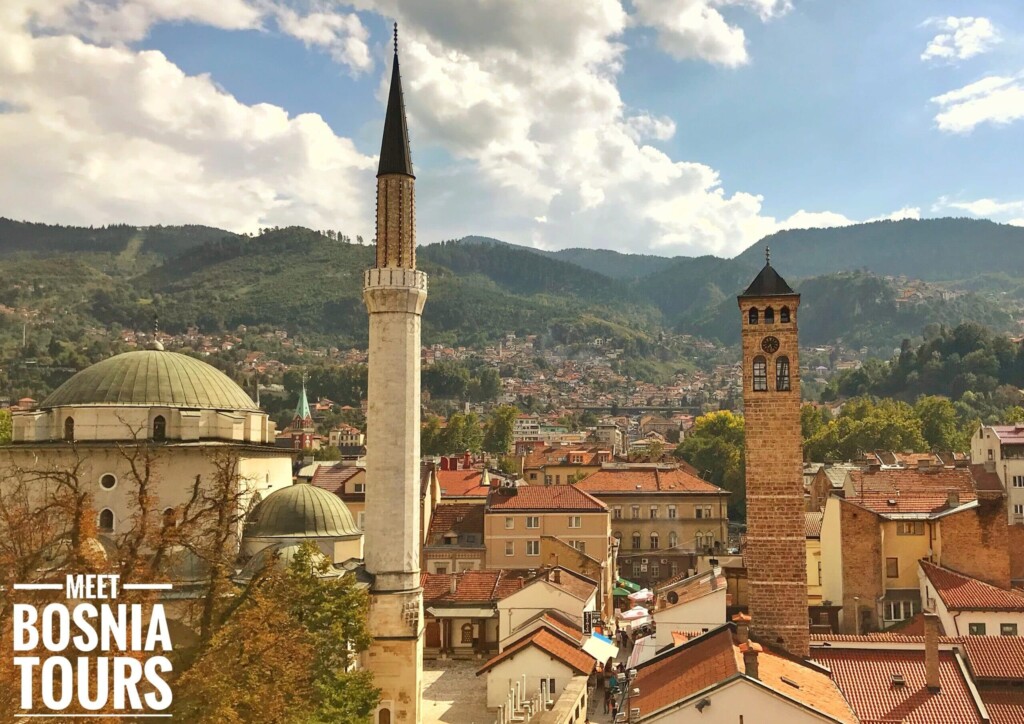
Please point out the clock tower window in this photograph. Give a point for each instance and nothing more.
(752, 316)
(784, 315)
(760, 378)
(769, 315)
(782, 374)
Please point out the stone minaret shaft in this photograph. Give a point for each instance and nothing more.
(774, 556)
(394, 292)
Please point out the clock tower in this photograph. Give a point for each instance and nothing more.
(774, 556)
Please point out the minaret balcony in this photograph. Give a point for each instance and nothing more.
(394, 277)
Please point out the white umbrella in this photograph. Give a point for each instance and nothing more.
(644, 594)
(633, 614)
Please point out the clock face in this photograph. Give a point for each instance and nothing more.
(770, 345)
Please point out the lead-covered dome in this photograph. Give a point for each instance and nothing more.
(301, 511)
(151, 378)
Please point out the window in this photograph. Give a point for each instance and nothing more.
(654, 541)
(106, 521)
(892, 567)
(533, 476)
(672, 512)
(551, 688)
(547, 480)
(384, 717)
(441, 570)
(558, 480)
(636, 541)
(760, 374)
(784, 315)
(752, 316)
(636, 511)
(636, 570)
(769, 315)
(510, 548)
(170, 519)
(108, 481)
(467, 633)
(976, 629)
(510, 523)
(782, 374)
(159, 428)
(655, 571)
(1007, 629)
(579, 545)
(654, 512)
(673, 540)
(1018, 509)
(819, 573)
(910, 527)
(359, 487)
(1018, 481)
(900, 610)
(990, 454)
(575, 521)
(702, 511)
(675, 569)
(533, 547)
(69, 429)
(617, 512)
(533, 521)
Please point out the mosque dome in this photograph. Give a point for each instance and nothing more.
(151, 378)
(301, 511)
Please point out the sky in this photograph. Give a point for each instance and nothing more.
(672, 127)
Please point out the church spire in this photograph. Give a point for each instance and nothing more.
(395, 156)
(302, 411)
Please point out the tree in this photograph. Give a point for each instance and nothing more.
(5, 427)
(939, 424)
(714, 446)
(498, 430)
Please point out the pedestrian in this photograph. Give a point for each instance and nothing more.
(615, 709)
(607, 700)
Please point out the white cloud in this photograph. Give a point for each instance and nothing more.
(998, 100)
(982, 207)
(341, 34)
(1016, 222)
(695, 29)
(643, 125)
(960, 38)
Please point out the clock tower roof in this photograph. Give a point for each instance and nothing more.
(768, 283)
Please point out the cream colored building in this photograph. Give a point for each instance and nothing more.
(1000, 448)
(555, 590)
(182, 412)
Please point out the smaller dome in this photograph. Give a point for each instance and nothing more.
(301, 511)
(280, 556)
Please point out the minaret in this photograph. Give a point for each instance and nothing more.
(394, 292)
(775, 556)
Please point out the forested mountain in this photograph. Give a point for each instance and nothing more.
(930, 249)
(480, 289)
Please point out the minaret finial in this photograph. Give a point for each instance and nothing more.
(768, 255)
(396, 38)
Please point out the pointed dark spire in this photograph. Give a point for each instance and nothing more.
(768, 283)
(395, 156)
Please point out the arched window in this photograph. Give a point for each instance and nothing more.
(467, 633)
(784, 315)
(782, 374)
(636, 541)
(760, 374)
(170, 519)
(69, 429)
(654, 541)
(769, 315)
(106, 522)
(159, 428)
(673, 540)
(752, 316)
(384, 716)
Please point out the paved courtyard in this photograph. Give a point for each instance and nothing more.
(453, 694)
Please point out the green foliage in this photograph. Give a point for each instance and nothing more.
(498, 429)
(864, 425)
(714, 446)
(463, 432)
(5, 427)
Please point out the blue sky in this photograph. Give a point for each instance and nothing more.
(657, 126)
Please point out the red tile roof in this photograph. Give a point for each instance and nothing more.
(460, 518)
(963, 593)
(576, 585)
(646, 480)
(995, 657)
(1005, 704)
(560, 454)
(812, 524)
(865, 678)
(544, 498)
(487, 586)
(1009, 434)
(551, 644)
(461, 483)
(333, 478)
(713, 658)
(909, 490)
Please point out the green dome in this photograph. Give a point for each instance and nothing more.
(301, 511)
(280, 557)
(151, 378)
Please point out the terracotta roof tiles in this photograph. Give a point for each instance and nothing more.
(458, 518)
(1005, 705)
(995, 657)
(963, 593)
(551, 644)
(812, 524)
(647, 480)
(909, 490)
(544, 498)
(333, 478)
(461, 483)
(486, 586)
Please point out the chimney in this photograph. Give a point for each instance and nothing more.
(953, 498)
(455, 584)
(444, 463)
(931, 652)
(467, 460)
(750, 651)
(556, 575)
(742, 622)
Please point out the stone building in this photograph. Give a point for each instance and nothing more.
(775, 553)
(394, 292)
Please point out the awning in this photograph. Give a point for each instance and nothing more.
(619, 591)
(600, 648)
(628, 585)
(439, 612)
